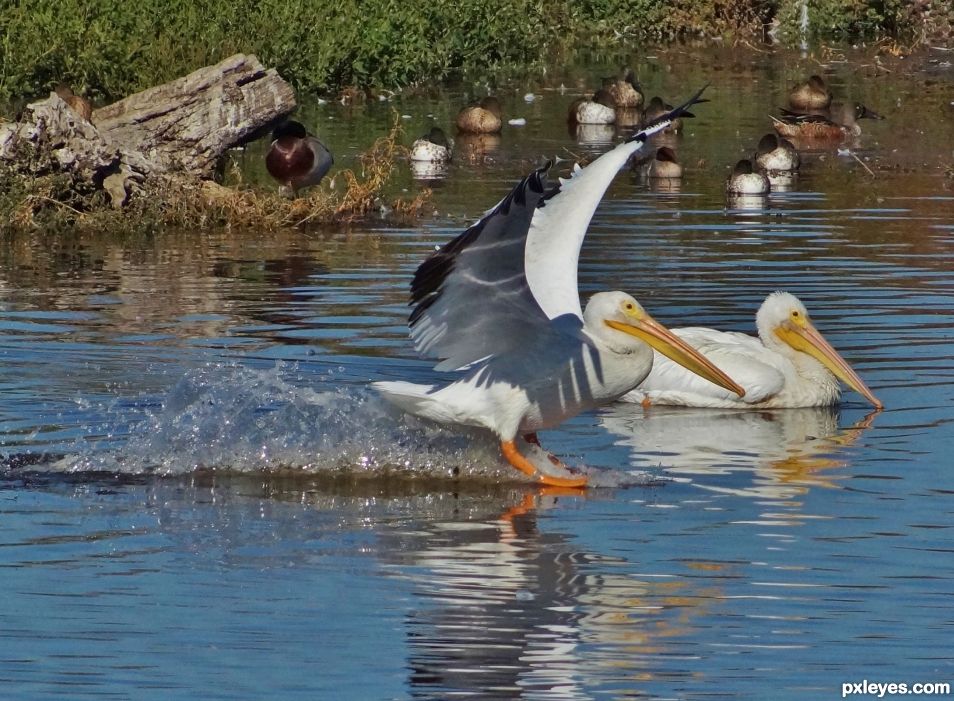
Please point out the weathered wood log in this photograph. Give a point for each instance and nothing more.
(181, 128)
(188, 124)
(50, 137)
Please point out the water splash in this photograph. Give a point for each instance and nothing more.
(249, 420)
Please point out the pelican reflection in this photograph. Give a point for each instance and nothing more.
(502, 604)
(786, 450)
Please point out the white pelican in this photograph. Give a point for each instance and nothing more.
(790, 364)
(500, 302)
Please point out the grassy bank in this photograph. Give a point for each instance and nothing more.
(110, 48)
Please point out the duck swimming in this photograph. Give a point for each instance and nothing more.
(433, 147)
(840, 121)
(776, 155)
(624, 90)
(481, 117)
(744, 180)
(813, 94)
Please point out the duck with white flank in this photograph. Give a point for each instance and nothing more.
(776, 155)
(744, 180)
(600, 109)
(433, 147)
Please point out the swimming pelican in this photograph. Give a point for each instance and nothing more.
(789, 364)
(500, 303)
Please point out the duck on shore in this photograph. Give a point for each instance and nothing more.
(296, 159)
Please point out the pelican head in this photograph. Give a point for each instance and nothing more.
(617, 319)
(783, 318)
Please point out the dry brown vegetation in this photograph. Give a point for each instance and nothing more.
(55, 202)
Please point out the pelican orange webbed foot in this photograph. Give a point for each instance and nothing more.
(500, 305)
(522, 463)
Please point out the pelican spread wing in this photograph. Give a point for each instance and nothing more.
(481, 270)
(516, 268)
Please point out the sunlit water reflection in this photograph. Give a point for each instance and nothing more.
(260, 524)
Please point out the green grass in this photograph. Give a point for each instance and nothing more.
(109, 48)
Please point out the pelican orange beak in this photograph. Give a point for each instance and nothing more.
(806, 338)
(650, 331)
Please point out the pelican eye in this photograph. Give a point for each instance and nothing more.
(629, 306)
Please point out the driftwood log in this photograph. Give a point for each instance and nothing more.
(178, 129)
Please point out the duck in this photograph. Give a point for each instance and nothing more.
(433, 147)
(656, 108)
(600, 109)
(77, 103)
(840, 121)
(813, 94)
(788, 365)
(775, 154)
(481, 117)
(663, 164)
(746, 181)
(296, 159)
(624, 89)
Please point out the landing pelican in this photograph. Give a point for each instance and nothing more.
(789, 365)
(500, 303)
